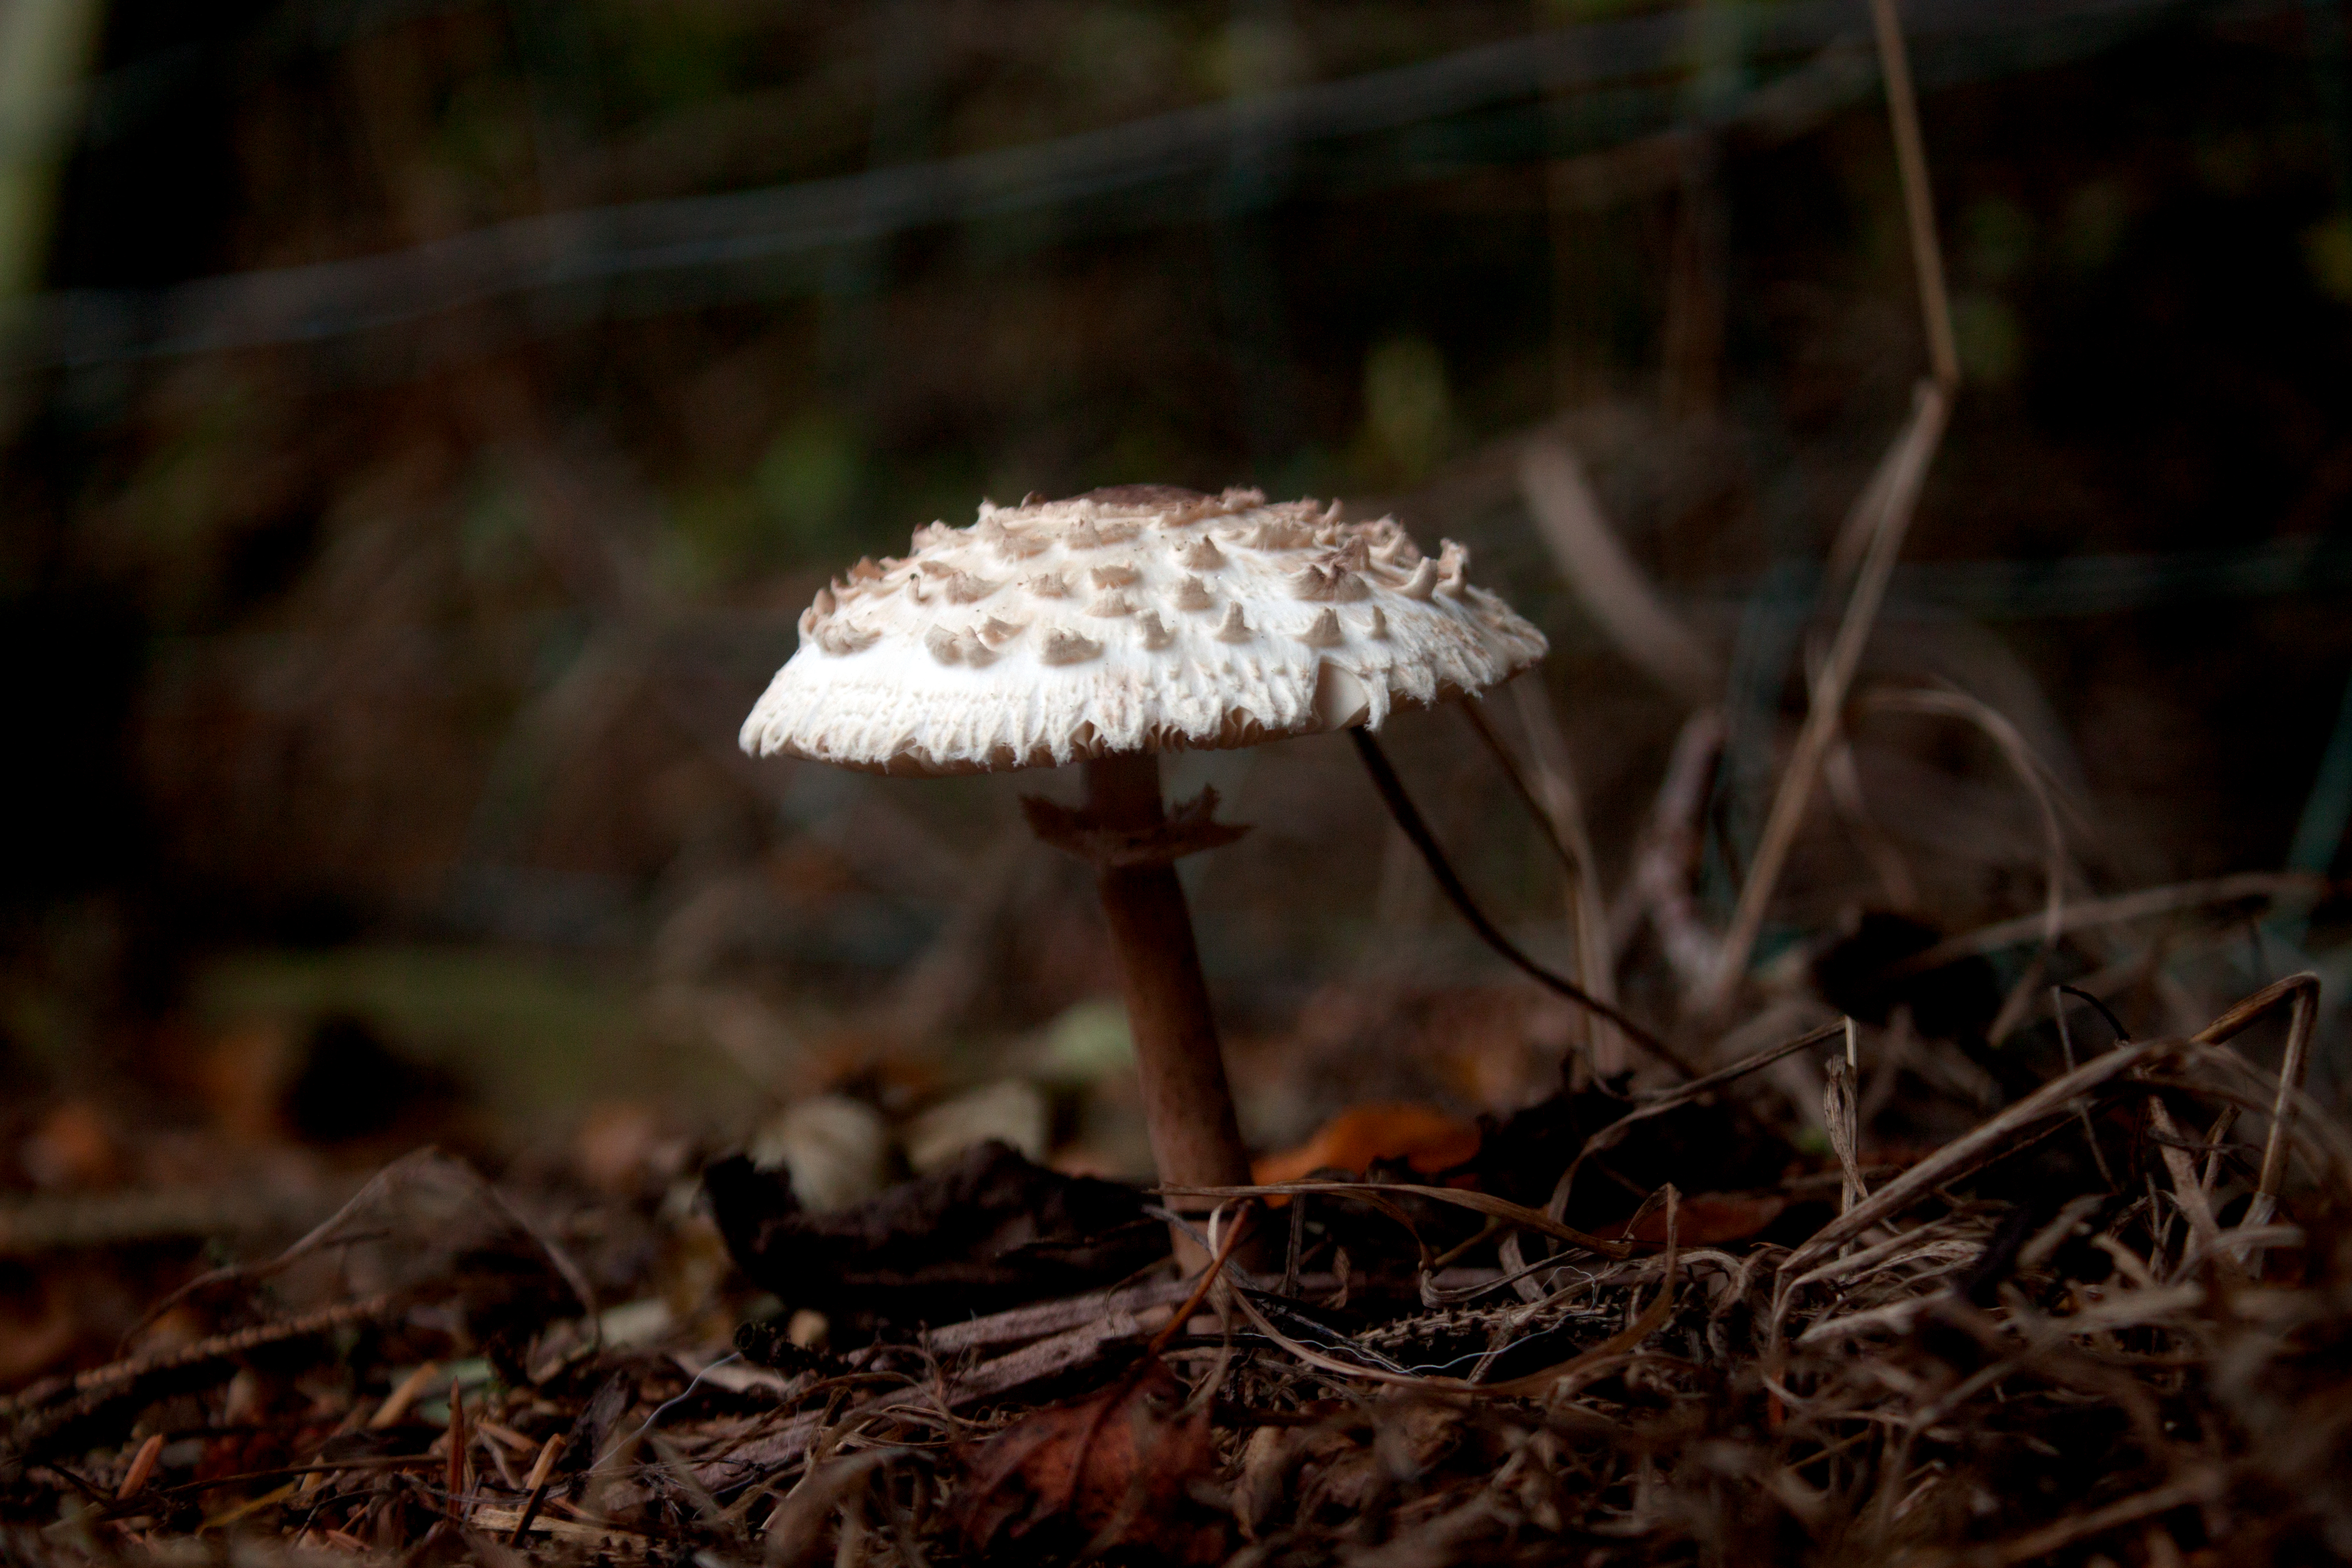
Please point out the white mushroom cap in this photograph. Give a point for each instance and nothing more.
(1138, 618)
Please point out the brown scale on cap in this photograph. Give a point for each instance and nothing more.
(1329, 580)
(1068, 648)
(963, 588)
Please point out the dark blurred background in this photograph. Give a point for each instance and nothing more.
(423, 421)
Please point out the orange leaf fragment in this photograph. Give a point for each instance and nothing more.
(1422, 1136)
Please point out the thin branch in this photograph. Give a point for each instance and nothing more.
(2301, 994)
(1605, 578)
(1918, 200)
(1408, 818)
(1596, 952)
(1905, 470)
(1557, 812)
(2133, 906)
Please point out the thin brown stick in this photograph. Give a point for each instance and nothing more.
(1965, 1153)
(542, 1477)
(2300, 992)
(1612, 588)
(1918, 199)
(2170, 898)
(1891, 494)
(328, 1232)
(1045, 1317)
(1906, 468)
(218, 1347)
(1658, 1104)
(1408, 816)
(1596, 954)
(1683, 1094)
(1209, 1278)
(1556, 810)
(459, 1452)
(1373, 1192)
(1659, 887)
(1054, 1354)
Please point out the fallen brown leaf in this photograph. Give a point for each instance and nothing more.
(1111, 1470)
(1711, 1219)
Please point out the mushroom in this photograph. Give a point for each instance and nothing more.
(1123, 622)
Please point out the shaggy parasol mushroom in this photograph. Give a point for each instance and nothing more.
(1107, 628)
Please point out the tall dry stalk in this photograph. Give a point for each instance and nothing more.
(1882, 516)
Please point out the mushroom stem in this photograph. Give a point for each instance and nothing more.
(1189, 1110)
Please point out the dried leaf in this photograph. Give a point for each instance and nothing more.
(1711, 1219)
(1111, 1470)
(1422, 1136)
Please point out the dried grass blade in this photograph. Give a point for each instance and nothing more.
(1918, 199)
(414, 1165)
(2163, 900)
(1905, 465)
(1555, 780)
(1968, 1151)
(791, 1535)
(1895, 1317)
(1415, 827)
(2172, 1146)
(1613, 589)
(1621, 1343)
(1658, 888)
(2301, 992)
(1683, 1094)
(1859, 1262)
(2240, 1240)
(1593, 1363)
(319, 1235)
(1459, 1197)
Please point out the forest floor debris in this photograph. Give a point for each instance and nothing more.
(2109, 1321)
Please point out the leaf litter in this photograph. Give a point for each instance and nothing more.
(1988, 1355)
